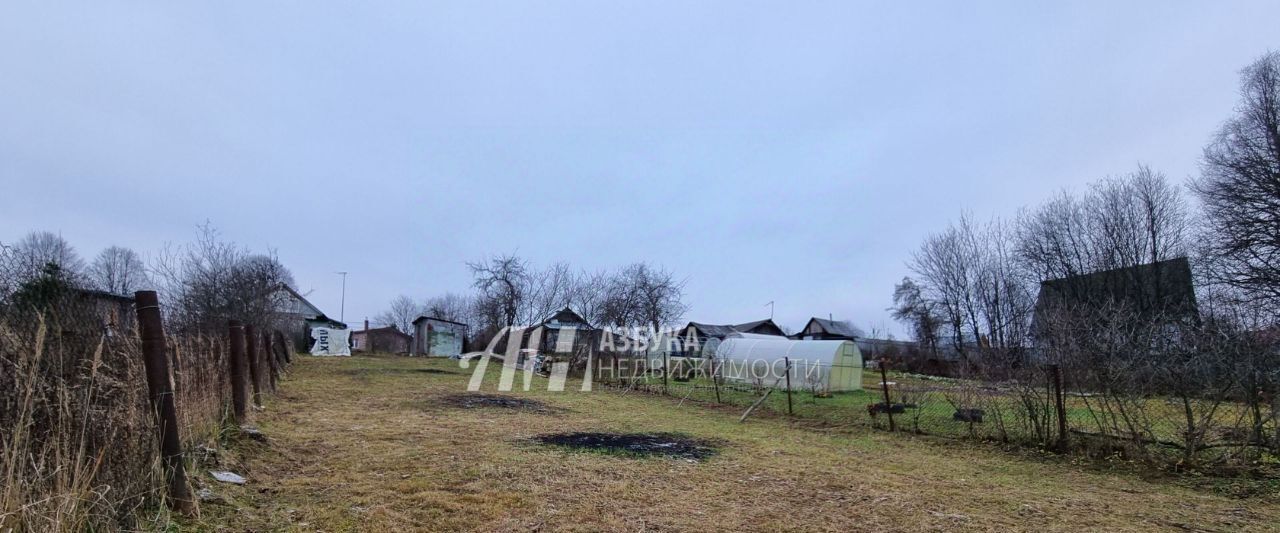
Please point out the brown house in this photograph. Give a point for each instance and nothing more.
(387, 339)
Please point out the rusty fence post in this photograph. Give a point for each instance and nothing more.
(272, 368)
(251, 350)
(884, 385)
(790, 411)
(282, 349)
(151, 329)
(236, 362)
(1061, 404)
(285, 352)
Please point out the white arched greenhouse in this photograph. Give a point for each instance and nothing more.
(830, 365)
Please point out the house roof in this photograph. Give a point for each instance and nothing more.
(712, 330)
(94, 293)
(746, 326)
(385, 329)
(302, 306)
(833, 327)
(424, 317)
(719, 330)
(566, 316)
(326, 320)
(1162, 288)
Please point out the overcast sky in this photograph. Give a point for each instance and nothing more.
(794, 152)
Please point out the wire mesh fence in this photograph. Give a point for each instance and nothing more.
(1030, 407)
(81, 448)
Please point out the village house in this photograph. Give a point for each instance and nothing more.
(1159, 295)
(387, 339)
(827, 330)
(299, 315)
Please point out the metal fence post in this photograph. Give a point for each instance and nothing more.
(282, 350)
(273, 370)
(715, 377)
(251, 349)
(790, 411)
(884, 384)
(288, 353)
(666, 369)
(1060, 400)
(235, 336)
(151, 329)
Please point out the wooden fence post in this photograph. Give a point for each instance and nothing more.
(1061, 404)
(151, 329)
(251, 349)
(235, 336)
(884, 384)
(790, 411)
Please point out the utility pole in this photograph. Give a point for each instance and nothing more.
(342, 310)
(770, 304)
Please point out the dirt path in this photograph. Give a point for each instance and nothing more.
(375, 444)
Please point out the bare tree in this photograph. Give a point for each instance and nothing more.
(918, 313)
(948, 265)
(1005, 300)
(547, 291)
(502, 283)
(450, 306)
(118, 270)
(642, 295)
(971, 278)
(1239, 186)
(400, 314)
(590, 296)
(1125, 221)
(37, 249)
(661, 295)
(208, 281)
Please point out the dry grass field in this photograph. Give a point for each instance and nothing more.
(376, 444)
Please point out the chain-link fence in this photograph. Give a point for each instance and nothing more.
(81, 404)
(1034, 406)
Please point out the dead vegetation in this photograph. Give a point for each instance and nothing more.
(363, 455)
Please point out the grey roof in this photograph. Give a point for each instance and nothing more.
(833, 327)
(94, 293)
(724, 330)
(748, 326)
(321, 319)
(712, 330)
(298, 305)
(566, 316)
(424, 317)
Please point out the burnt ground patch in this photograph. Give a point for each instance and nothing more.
(478, 401)
(673, 445)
